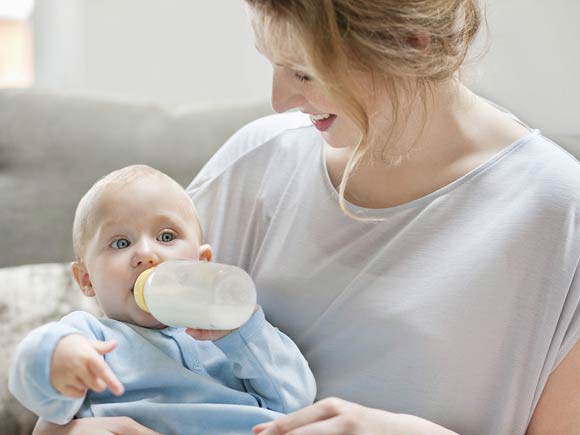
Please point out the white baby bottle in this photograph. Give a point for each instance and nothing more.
(196, 294)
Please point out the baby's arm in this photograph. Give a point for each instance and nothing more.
(270, 365)
(55, 364)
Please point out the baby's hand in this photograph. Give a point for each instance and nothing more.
(208, 334)
(211, 334)
(77, 365)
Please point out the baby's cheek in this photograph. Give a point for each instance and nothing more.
(192, 251)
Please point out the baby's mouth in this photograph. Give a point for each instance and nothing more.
(137, 279)
(133, 286)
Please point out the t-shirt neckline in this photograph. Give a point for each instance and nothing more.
(426, 199)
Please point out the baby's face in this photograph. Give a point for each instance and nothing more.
(137, 227)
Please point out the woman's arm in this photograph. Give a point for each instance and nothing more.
(94, 426)
(558, 410)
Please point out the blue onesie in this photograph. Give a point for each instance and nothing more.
(173, 383)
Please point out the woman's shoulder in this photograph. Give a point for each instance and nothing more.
(272, 129)
(264, 129)
(556, 167)
(258, 141)
(541, 176)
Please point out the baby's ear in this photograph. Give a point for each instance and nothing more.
(205, 253)
(82, 278)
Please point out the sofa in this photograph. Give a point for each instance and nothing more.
(53, 147)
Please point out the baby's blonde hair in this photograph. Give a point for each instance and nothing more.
(408, 47)
(83, 221)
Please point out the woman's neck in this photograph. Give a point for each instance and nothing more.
(461, 132)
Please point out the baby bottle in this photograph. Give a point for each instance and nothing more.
(196, 294)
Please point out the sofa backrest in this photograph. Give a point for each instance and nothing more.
(53, 147)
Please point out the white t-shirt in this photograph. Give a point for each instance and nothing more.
(455, 308)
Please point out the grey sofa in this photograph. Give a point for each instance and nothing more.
(52, 148)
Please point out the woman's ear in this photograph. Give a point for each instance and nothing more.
(421, 42)
(205, 253)
(82, 278)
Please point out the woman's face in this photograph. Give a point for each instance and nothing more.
(293, 87)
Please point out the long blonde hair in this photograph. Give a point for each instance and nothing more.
(406, 46)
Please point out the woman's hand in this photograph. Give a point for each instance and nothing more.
(94, 426)
(334, 416)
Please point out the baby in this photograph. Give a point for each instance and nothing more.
(128, 363)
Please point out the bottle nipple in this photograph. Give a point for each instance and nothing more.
(139, 289)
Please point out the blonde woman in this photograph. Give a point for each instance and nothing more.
(417, 242)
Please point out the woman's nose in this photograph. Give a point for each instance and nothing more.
(145, 254)
(285, 96)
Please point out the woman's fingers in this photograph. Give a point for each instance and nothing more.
(259, 428)
(322, 410)
(126, 426)
(340, 425)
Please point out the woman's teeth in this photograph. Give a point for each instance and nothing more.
(321, 117)
(323, 121)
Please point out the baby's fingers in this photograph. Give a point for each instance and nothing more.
(103, 347)
(92, 381)
(104, 377)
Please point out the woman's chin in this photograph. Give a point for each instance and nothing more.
(338, 138)
(334, 141)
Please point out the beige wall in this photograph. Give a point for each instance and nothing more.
(165, 50)
(534, 62)
(201, 50)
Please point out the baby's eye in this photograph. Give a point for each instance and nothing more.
(166, 237)
(120, 244)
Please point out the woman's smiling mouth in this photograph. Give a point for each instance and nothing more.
(323, 121)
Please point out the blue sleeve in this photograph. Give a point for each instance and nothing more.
(29, 379)
(270, 365)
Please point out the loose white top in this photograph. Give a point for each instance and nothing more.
(456, 307)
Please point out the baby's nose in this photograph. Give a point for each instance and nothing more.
(148, 260)
(145, 255)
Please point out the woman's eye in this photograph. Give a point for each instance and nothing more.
(301, 77)
(166, 237)
(120, 244)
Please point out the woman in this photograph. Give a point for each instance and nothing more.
(418, 243)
